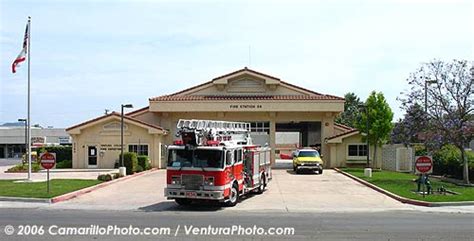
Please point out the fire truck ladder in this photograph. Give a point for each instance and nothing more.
(214, 130)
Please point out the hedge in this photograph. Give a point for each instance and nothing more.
(144, 162)
(63, 153)
(64, 164)
(447, 161)
(130, 161)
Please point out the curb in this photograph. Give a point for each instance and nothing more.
(25, 199)
(403, 199)
(71, 195)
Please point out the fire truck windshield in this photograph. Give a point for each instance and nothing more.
(200, 158)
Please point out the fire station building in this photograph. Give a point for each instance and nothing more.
(271, 105)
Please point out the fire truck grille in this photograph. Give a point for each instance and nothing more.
(192, 182)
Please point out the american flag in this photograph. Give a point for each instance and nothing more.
(22, 56)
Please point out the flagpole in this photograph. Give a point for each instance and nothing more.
(29, 116)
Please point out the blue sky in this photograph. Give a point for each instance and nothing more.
(88, 56)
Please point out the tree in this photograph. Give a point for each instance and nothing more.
(351, 110)
(408, 129)
(380, 118)
(449, 103)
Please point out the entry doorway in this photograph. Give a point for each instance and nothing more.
(91, 156)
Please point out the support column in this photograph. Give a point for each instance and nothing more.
(154, 152)
(327, 129)
(332, 161)
(272, 137)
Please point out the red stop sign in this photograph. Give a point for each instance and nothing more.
(424, 164)
(48, 160)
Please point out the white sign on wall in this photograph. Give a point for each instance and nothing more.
(64, 140)
(38, 140)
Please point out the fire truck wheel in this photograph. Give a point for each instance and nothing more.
(234, 196)
(182, 201)
(262, 186)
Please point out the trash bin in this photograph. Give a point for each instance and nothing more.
(368, 172)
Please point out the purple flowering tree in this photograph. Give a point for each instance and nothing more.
(410, 129)
(449, 103)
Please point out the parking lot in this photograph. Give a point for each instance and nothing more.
(287, 192)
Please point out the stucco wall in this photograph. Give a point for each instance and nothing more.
(148, 117)
(235, 88)
(340, 156)
(108, 144)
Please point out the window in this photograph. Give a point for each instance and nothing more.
(357, 150)
(199, 158)
(260, 127)
(164, 151)
(139, 149)
(238, 155)
(308, 154)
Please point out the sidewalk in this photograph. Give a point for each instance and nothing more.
(89, 174)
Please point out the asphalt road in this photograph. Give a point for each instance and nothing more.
(400, 225)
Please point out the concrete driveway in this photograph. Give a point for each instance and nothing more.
(131, 194)
(287, 192)
(329, 192)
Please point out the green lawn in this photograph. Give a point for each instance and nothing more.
(402, 184)
(9, 188)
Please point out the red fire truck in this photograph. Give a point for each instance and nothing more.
(215, 160)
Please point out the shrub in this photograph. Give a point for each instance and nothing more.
(144, 162)
(64, 164)
(117, 175)
(62, 152)
(104, 177)
(130, 161)
(35, 167)
(447, 161)
(139, 169)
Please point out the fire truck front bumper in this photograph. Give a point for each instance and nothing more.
(172, 193)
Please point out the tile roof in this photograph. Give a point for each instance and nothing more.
(344, 126)
(137, 111)
(117, 115)
(242, 97)
(175, 96)
(342, 134)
